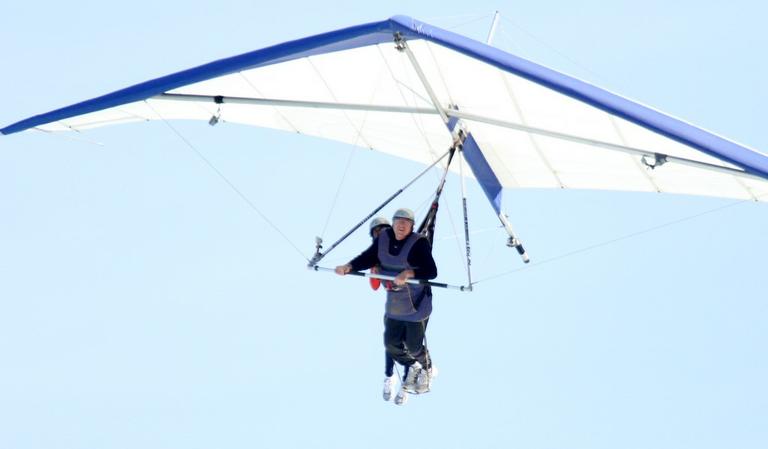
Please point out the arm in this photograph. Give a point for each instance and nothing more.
(421, 258)
(365, 260)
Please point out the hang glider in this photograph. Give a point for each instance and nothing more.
(412, 90)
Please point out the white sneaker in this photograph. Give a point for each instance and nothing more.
(409, 385)
(424, 380)
(402, 396)
(388, 384)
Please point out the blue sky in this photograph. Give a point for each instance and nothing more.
(144, 304)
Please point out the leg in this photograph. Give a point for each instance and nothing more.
(420, 380)
(415, 342)
(389, 362)
(394, 341)
(389, 365)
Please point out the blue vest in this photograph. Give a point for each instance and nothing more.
(402, 302)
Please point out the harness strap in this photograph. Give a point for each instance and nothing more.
(427, 227)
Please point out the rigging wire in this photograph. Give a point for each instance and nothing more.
(227, 181)
(358, 137)
(551, 48)
(476, 232)
(75, 138)
(274, 108)
(475, 16)
(318, 256)
(614, 240)
(335, 200)
(586, 70)
(460, 24)
(295, 129)
(423, 205)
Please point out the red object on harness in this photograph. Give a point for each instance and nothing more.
(375, 283)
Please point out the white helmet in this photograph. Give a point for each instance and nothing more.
(376, 222)
(404, 213)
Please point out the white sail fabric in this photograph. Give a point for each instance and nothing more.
(532, 135)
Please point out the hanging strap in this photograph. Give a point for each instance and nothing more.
(427, 226)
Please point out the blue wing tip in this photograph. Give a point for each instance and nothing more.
(8, 130)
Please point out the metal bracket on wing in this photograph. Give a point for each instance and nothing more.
(657, 161)
(470, 152)
(513, 242)
(219, 100)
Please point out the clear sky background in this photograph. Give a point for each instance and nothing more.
(143, 304)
